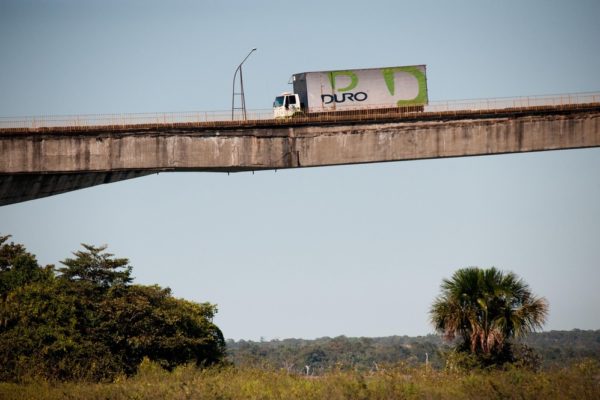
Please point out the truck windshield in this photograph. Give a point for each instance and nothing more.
(278, 101)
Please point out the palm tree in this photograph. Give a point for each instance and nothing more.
(485, 308)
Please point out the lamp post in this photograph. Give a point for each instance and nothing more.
(241, 93)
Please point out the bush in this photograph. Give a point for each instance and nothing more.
(88, 323)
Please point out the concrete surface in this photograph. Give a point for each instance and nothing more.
(38, 164)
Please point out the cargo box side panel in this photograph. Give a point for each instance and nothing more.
(299, 81)
(366, 88)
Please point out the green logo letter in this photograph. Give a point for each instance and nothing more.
(353, 80)
(388, 76)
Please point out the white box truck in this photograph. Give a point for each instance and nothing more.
(393, 88)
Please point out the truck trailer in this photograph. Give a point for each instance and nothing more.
(389, 88)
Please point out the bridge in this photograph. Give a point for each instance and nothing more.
(46, 156)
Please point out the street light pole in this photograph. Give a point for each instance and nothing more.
(241, 93)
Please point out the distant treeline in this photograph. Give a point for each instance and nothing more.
(552, 348)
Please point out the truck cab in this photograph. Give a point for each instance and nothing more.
(287, 105)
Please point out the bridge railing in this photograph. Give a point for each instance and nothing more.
(92, 120)
(81, 122)
(514, 102)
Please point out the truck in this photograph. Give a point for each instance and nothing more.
(354, 90)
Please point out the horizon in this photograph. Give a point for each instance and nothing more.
(263, 340)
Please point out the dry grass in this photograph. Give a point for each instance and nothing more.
(579, 381)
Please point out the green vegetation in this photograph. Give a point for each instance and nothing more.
(485, 309)
(85, 331)
(552, 350)
(340, 353)
(86, 321)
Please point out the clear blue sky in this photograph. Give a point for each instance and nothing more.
(354, 250)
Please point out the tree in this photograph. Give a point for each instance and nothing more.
(485, 309)
(90, 323)
(96, 267)
(146, 321)
(18, 267)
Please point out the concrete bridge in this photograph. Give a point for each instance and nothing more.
(39, 162)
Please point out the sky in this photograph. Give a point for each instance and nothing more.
(355, 250)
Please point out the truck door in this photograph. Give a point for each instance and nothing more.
(290, 102)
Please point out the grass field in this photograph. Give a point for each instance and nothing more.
(578, 381)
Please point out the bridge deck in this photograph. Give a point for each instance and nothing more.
(366, 116)
(42, 161)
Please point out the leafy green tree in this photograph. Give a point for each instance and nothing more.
(18, 267)
(90, 323)
(147, 321)
(97, 267)
(485, 309)
(48, 335)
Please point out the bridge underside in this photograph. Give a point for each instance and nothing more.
(23, 187)
(47, 162)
